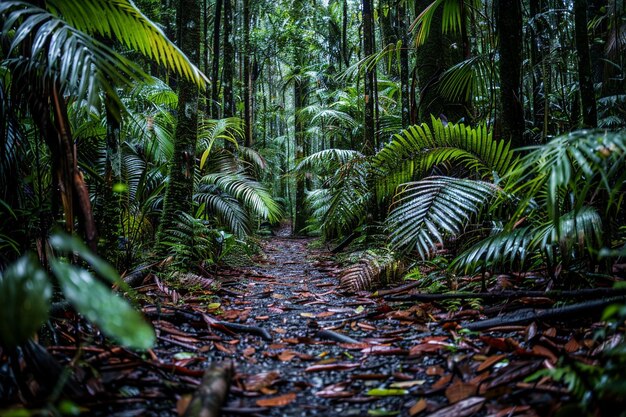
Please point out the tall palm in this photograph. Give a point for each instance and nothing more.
(56, 52)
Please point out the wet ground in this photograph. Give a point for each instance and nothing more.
(312, 350)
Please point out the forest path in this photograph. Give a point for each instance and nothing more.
(305, 370)
(302, 347)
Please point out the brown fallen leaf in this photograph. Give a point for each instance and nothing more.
(543, 351)
(331, 367)
(183, 403)
(262, 380)
(279, 401)
(287, 355)
(490, 361)
(442, 382)
(418, 407)
(335, 391)
(226, 349)
(572, 346)
(463, 408)
(460, 390)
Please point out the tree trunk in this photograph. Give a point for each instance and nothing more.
(585, 78)
(402, 34)
(247, 74)
(215, 72)
(368, 50)
(509, 27)
(229, 61)
(179, 190)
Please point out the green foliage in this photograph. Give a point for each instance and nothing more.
(372, 268)
(427, 211)
(414, 152)
(25, 293)
(190, 242)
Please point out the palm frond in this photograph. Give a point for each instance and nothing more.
(252, 194)
(415, 151)
(121, 20)
(426, 212)
(372, 269)
(507, 247)
(328, 159)
(226, 209)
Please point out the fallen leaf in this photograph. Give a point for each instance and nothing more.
(543, 351)
(325, 314)
(261, 380)
(308, 315)
(279, 401)
(230, 350)
(463, 408)
(331, 367)
(418, 407)
(407, 384)
(572, 346)
(460, 390)
(183, 403)
(386, 392)
(287, 355)
(384, 350)
(442, 382)
(335, 391)
(490, 361)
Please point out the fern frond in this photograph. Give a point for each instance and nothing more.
(372, 268)
(426, 212)
(495, 251)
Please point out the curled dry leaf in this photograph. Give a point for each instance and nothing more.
(335, 391)
(260, 381)
(418, 407)
(279, 401)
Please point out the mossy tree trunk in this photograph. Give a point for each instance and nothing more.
(179, 191)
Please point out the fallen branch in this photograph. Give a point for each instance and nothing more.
(237, 328)
(529, 315)
(503, 295)
(337, 337)
(208, 398)
(344, 243)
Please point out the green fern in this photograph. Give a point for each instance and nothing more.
(426, 212)
(413, 153)
(372, 268)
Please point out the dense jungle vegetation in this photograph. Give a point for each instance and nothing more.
(459, 146)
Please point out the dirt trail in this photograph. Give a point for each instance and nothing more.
(321, 352)
(293, 294)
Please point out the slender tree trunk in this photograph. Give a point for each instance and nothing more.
(344, 35)
(215, 71)
(509, 27)
(178, 195)
(402, 33)
(229, 61)
(368, 50)
(585, 77)
(247, 74)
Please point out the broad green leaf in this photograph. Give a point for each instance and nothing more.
(65, 243)
(25, 293)
(386, 392)
(114, 315)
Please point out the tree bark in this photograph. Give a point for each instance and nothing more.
(179, 190)
(215, 71)
(229, 61)
(509, 28)
(585, 77)
(247, 75)
(369, 86)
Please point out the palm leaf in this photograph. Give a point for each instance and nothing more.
(121, 20)
(426, 212)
